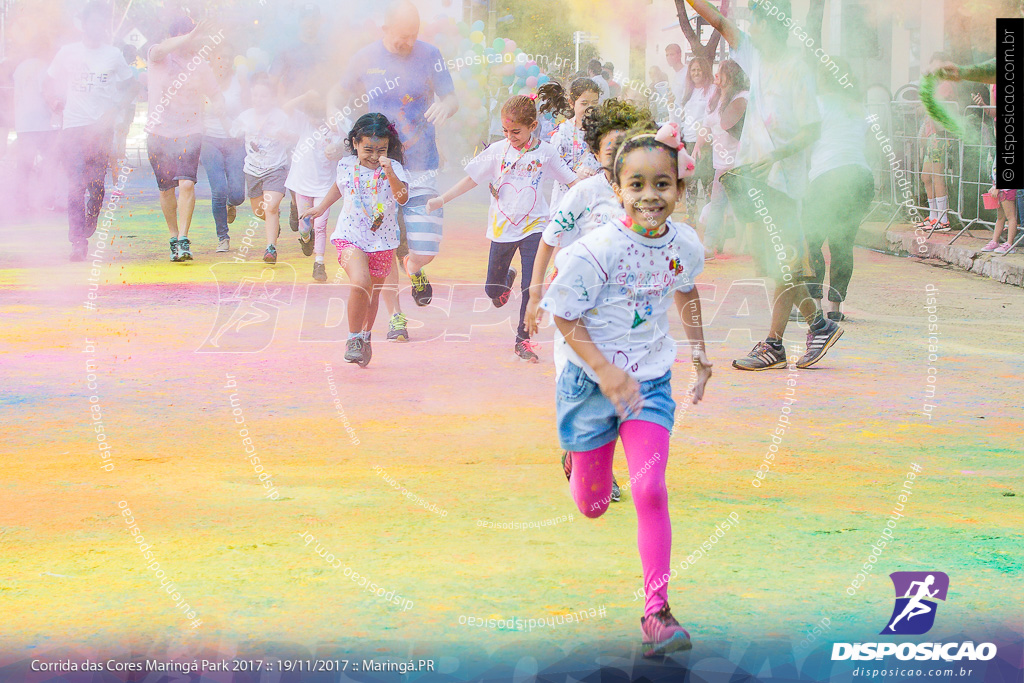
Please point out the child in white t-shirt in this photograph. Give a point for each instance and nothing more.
(312, 173)
(513, 169)
(373, 184)
(569, 137)
(610, 300)
(268, 139)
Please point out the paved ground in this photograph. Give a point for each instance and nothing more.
(466, 427)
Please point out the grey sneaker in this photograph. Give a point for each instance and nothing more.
(818, 344)
(223, 245)
(763, 356)
(397, 330)
(358, 352)
(174, 250)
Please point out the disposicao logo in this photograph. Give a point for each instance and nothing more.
(914, 615)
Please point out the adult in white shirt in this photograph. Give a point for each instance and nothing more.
(595, 71)
(770, 179)
(676, 81)
(90, 83)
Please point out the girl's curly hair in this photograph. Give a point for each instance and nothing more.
(614, 114)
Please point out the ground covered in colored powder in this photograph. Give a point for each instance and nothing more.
(459, 423)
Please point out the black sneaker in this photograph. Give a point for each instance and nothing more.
(422, 292)
(763, 356)
(79, 250)
(525, 351)
(818, 343)
(174, 250)
(270, 255)
(319, 272)
(567, 464)
(616, 492)
(184, 254)
(835, 315)
(509, 281)
(358, 352)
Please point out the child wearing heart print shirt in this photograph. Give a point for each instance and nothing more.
(610, 301)
(513, 170)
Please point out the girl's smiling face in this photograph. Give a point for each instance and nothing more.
(370, 150)
(648, 186)
(517, 132)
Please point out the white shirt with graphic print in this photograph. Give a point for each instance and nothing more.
(574, 150)
(520, 208)
(623, 286)
(588, 204)
(356, 217)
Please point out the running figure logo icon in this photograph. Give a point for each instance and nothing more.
(916, 593)
(248, 306)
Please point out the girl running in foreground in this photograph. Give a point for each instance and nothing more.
(616, 382)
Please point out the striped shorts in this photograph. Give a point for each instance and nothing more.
(422, 229)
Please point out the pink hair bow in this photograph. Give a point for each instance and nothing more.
(669, 135)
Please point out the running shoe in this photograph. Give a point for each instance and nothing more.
(663, 634)
(510, 280)
(835, 315)
(1005, 248)
(567, 464)
(223, 245)
(319, 272)
(991, 246)
(422, 292)
(270, 255)
(184, 254)
(79, 250)
(943, 227)
(616, 492)
(818, 343)
(397, 328)
(525, 350)
(306, 237)
(174, 250)
(232, 212)
(354, 350)
(763, 356)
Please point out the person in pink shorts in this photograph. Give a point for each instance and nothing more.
(373, 184)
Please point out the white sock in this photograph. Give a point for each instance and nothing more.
(319, 258)
(942, 204)
(933, 213)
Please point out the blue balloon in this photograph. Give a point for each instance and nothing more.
(478, 25)
(465, 45)
(533, 71)
(541, 80)
(521, 71)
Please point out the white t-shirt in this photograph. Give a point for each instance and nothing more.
(356, 218)
(625, 284)
(725, 147)
(603, 85)
(571, 146)
(520, 208)
(782, 101)
(694, 112)
(265, 150)
(31, 113)
(232, 108)
(844, 128)
(677, 84)
(311, 172)
(588, 204)
(90, 78)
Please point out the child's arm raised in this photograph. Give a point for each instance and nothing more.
(399, 189)
(688, 307)
(615, 383)
(457, 190)
(333, 195)
(727, 27)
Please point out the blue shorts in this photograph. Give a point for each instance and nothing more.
(422, 229)
(587, 419)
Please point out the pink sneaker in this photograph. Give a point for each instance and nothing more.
(663, 634)
(991, 246)
(1005, 248)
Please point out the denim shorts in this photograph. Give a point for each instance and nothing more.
(587, 419)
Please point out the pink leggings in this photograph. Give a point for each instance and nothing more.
(646, 446)
(319, 225)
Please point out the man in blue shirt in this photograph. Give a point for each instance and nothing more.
(406, 80)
